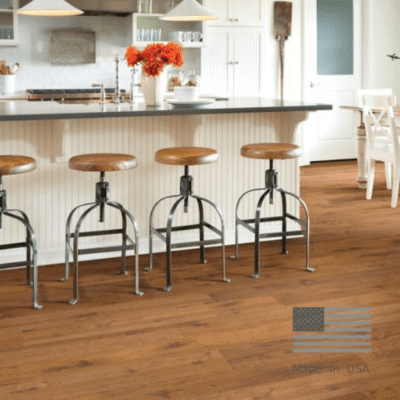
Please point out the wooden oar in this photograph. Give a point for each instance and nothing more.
(282, 30)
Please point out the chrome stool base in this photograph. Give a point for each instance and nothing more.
(102, 191)
(30, 245)
(165, 233)
(271, 185)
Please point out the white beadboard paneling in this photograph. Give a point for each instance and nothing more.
(50, 192)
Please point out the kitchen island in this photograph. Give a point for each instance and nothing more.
(52, 132)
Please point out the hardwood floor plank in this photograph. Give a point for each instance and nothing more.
(206, 340)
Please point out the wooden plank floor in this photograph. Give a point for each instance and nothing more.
(207, 339)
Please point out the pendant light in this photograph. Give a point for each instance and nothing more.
(49, 8)
(189, 10)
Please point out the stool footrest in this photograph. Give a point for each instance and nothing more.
(159, 233)
(129, 246)
(15, 264)
(197, 243)
(246, 223)
(106, 249)
(12, 245)
(97, 233)
(281, 234)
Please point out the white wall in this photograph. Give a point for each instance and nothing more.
(33, 53)
(381, 37)
(293, 55)
(113, 35)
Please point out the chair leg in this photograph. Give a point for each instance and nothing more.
(307, 235)
(257, 219)
(395, 189)
(370, 179)
(126, 214)
(151, 229)
(68, 238)
(224, 278)
(201, 231)
(31, 242)
(168, 286)
(236, 255)
(284, 222)
(388, 174)
(75, 299)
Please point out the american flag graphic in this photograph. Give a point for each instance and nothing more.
(332, 330)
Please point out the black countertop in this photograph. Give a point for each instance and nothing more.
(20, 110)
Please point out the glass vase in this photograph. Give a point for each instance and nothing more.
(145, 6)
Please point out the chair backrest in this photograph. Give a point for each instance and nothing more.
(373, 92)
(380, 123)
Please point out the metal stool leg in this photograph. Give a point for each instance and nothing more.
(168, 236)
(308, 268)
(257, 233)
(234, 256)
(201, 230)
(124, 214)
(224, 278)
(29, 256)
(284, 222)
(152, 229)
(75, 299)
(68, 238)
(32, 243)
(128, 215)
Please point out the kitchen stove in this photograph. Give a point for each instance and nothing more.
(71, 94)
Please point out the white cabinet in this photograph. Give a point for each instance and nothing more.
(236, 12)
(8, 22)
(232, 61)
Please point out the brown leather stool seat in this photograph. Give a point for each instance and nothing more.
(12, 165)
(101, 162)
(271, 152)
(186, 156)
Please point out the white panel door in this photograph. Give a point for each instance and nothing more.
(331, 76)
(217, 62)
(248, 59)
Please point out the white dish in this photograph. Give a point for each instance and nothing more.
(187, 93)
(190, 104)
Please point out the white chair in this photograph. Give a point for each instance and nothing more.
(384, 137)
(382, 140)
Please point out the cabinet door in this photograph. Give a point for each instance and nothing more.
(217, 62)
(248, 61)
(236, 12)
(246, 13)
(219, 7)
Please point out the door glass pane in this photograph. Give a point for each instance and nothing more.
(335, 37)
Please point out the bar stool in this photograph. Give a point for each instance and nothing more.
(12, 165)
(271, 152)
(101, 163)
(186, 156)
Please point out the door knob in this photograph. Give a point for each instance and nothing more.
(312, 84)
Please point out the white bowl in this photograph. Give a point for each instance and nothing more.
(186, 93)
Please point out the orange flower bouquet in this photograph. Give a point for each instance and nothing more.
(155, 57)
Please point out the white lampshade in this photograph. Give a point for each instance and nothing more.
(189, 10)
(49, 8)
